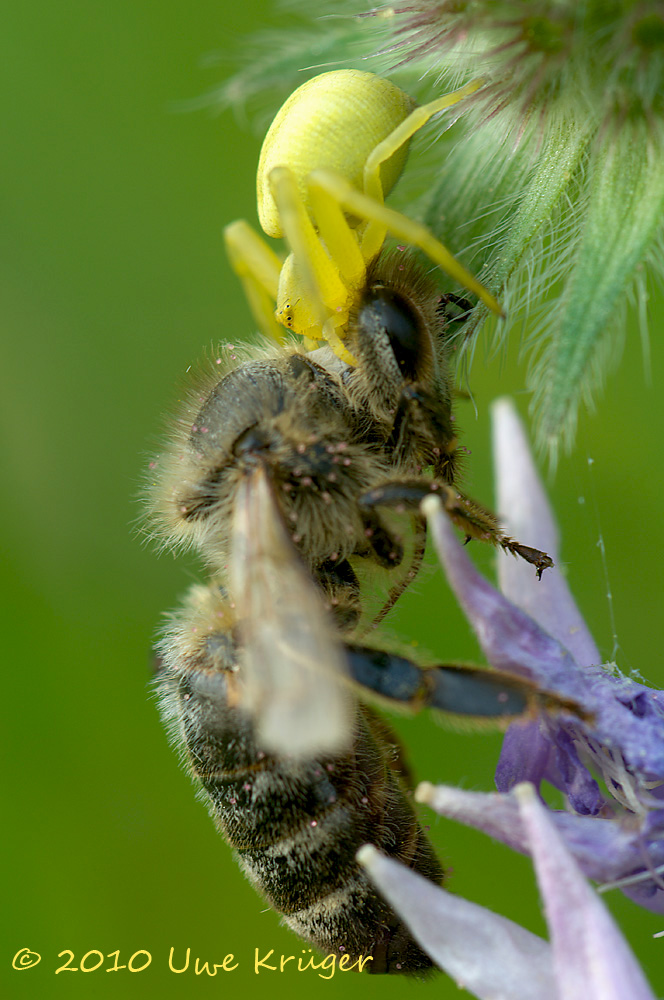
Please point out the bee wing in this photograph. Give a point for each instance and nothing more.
(294, 665)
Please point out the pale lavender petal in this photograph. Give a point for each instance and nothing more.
(592, 959)
(624, 741)
(494, 814)
(605, 851)
(484, 953)
(629, 716)
(511, 639)
(524, 510)
(522, 501)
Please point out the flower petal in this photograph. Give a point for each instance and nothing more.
(492, 957)
(494, 814)
(510, 639)
(592, 959)
(629, 720)
(527, 515)
(604, 849)
(544, 751)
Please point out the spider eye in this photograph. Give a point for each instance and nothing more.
(386, 311)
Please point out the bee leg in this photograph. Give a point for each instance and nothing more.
(377, 551)
(469, 516)
(423, 427)
(342, 592)
(384, 548)
(416, 557)
(459, 690)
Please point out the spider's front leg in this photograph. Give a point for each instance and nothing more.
(399, 139)
(380, 220)
(320, 279)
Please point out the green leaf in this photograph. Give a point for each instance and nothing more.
(558, 160)
(622, 218)
(491, 209)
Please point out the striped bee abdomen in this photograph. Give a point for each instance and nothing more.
(296, 824)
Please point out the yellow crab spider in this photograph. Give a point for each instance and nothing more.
(334, 150)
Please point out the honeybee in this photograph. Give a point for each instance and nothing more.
(282, 470)
(296, 822)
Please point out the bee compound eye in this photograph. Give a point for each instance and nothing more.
(385, 311)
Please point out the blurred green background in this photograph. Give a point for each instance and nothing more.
(114, 280)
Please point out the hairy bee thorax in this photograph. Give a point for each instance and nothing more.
(293, 418)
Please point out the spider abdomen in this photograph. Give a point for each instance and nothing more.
(331, 122)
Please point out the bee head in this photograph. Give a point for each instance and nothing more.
(397, 331)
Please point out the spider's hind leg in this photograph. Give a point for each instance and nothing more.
(258, 268)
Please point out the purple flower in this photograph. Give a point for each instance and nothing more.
(613, 835)
(494, 958)
(536, 631)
